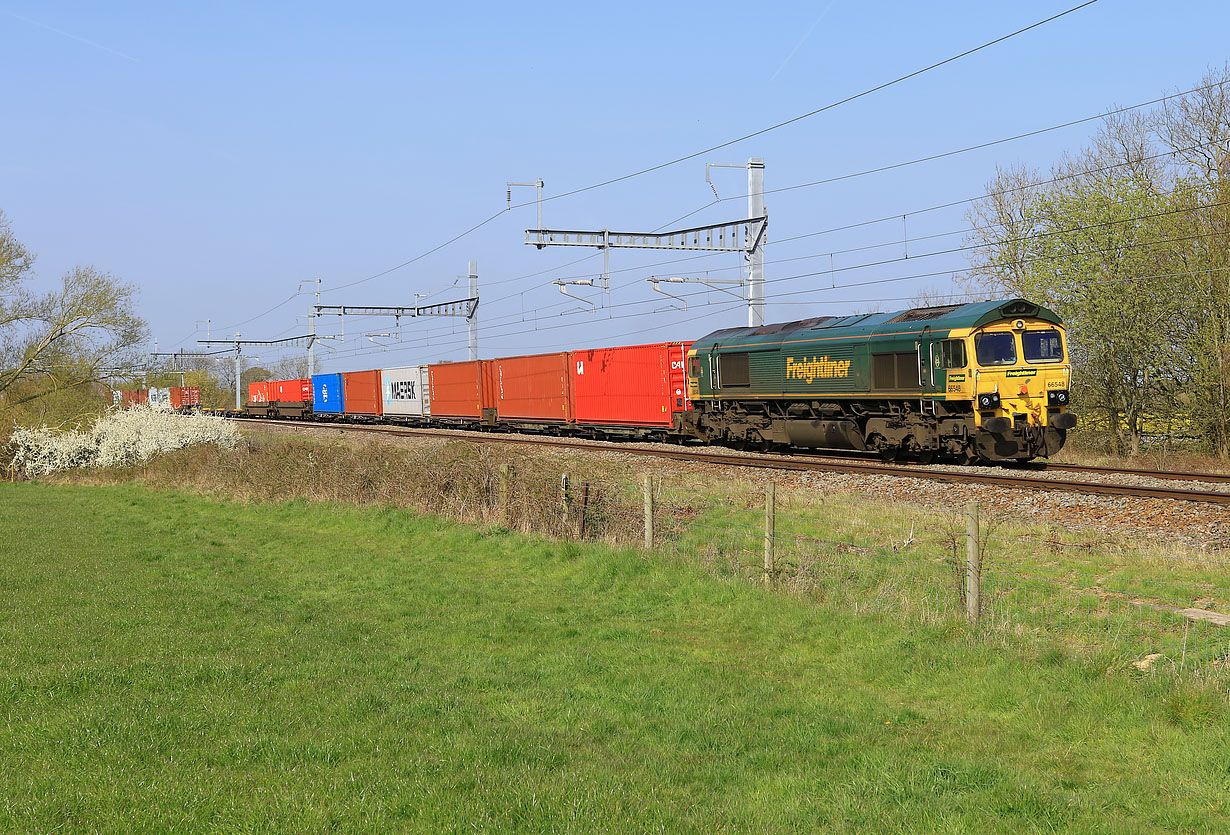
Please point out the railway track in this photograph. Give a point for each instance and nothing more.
(1166, 475)
(1012, 478)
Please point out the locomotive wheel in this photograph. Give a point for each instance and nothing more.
(926, 457)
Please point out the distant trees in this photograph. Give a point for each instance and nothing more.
(60, 340)
(1128, 240)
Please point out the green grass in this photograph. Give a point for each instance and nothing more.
(170, 662)
(1110, 595)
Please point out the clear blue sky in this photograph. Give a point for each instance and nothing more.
(215, 154)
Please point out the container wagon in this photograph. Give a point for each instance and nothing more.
(629, 389)
(185, 397)
(463, 392)
(291, 398)
(406, 391)
(533, 390)
(361, 393)
(258, 399)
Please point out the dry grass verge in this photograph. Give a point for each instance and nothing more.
(1085, 589)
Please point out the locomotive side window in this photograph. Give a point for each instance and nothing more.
(1042, 346)
(694, 367)
(884, 371)
(952, 353)
(995, 348)
(908, 372)
(734, 370)
(895, 371)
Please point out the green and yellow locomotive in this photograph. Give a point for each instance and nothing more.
(984, 381)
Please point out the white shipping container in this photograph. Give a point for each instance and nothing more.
(160, 398)
(406, 391)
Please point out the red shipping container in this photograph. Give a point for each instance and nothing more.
(133, 397)
(632, 385)
(361, 393)
(292, 391)
(258, 392)
(461, 389)
(534, 388)
(184, 396)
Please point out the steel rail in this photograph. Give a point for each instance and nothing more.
(783, 462)
(1169, 475)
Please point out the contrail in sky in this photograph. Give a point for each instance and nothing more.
(94, 44)
(803, 40)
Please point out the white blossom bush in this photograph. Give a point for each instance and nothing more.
(120, 438)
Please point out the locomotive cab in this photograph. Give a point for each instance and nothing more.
(1018, 378)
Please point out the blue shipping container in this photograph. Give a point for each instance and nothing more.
(327, 393)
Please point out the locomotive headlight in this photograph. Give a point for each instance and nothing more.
(1057, 397)
(988, 400)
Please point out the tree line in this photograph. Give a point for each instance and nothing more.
(1129, 240)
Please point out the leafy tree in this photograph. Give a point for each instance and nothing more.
(1130, 245)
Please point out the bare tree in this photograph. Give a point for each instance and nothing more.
(294, 367)
(64, 338)
(1196, 126)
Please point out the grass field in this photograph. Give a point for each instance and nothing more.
(171, 662)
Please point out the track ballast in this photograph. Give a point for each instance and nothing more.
(1018, 478)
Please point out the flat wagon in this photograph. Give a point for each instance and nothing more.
(463, 391)
(631, 386)
(533, 389)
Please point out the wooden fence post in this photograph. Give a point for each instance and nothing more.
(973, 565)
(648, 490)
(770, 514)
(563, 498)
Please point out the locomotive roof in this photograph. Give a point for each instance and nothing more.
(940, 318)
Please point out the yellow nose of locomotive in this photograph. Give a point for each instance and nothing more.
(1022, 378)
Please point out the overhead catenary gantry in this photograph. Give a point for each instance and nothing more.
(466, 308)
(746, 236)
(177, 358)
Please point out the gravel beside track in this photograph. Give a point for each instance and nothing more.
(1165, 475)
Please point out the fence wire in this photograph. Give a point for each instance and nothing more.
(1143, 607)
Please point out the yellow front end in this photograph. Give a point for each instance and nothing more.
(1021, 374)
(1018, 376)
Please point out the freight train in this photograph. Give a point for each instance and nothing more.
(178, 398)
(980, 382)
